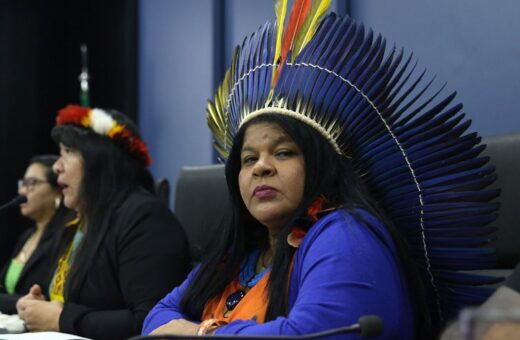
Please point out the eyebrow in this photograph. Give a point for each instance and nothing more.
(34, 178)
(279, 140)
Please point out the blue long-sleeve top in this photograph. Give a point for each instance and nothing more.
(345, 267)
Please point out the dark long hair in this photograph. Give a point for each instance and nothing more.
(109, 171)
(326, 173)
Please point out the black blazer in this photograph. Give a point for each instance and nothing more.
(37, 269)
(143, 254)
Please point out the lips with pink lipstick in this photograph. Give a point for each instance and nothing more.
(264, 191)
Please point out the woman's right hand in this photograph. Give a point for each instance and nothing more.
(35, 293)
(177, 327)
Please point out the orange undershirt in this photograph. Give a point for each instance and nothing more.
(252, 306)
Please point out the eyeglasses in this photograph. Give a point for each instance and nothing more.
(29, 183)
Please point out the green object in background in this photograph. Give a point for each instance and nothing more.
(84, 78)
(83, 99)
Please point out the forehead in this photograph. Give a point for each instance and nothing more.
(73, 154)
(265, 132)
(36, 170)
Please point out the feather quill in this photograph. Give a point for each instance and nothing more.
(308, 27)
(280, 8)
(299, 12)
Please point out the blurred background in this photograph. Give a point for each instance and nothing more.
(159, 61)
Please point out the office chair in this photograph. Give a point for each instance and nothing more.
(201, 205)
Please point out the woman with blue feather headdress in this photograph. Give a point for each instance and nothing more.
(354, 192)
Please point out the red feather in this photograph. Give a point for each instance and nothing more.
(72, 114)
(299, 12)
(316, 207)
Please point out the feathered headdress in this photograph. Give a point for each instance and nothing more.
(104, 124)
(414, 152)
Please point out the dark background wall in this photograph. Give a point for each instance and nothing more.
(39, 67)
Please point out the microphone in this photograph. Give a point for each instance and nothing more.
(368, 326)
(15, 201)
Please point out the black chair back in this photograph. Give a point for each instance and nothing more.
(504, 151)
(201, 205)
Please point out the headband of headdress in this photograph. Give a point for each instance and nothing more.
(413, 152)
(104, 124)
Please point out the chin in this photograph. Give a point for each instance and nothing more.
(271, 220)
(67, 203)
(28, 215)
(23, 212)
(72, 204)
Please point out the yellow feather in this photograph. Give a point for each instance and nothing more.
(309, 26)
(280, 7)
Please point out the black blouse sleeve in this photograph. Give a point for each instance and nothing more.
(152, 258)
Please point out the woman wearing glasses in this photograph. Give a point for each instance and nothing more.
(31, 260)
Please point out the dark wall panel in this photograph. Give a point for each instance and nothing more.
(39, 67)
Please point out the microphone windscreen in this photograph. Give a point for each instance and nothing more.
(15, 201)
(370, 326)
(20, 199)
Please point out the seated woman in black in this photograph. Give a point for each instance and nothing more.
(31, 258)
(127, 248)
